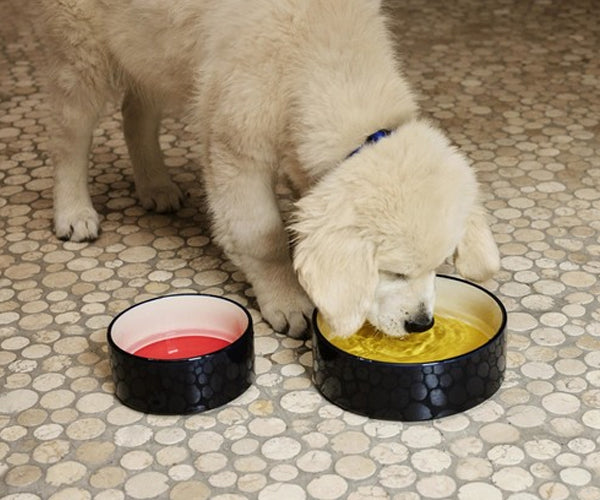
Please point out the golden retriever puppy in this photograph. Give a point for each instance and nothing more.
(311, 89)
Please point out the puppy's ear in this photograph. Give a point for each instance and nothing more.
(337, 269)
(477, 255)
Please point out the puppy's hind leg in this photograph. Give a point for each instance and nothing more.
(77, 110)
(141, 123)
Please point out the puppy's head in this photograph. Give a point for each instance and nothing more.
(371, 233)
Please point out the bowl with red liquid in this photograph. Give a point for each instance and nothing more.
(181, 354)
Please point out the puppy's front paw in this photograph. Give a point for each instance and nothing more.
(166, 197)
(77, 224)
(287, 311)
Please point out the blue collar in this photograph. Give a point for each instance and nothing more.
(372, 139)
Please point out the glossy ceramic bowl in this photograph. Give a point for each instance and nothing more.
(419, 391)
(181, 354)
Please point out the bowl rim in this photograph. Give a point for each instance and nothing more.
(499, 332)
(113, 345)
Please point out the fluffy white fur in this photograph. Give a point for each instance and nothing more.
(275, 87)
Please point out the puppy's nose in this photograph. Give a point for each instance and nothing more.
(418, 324)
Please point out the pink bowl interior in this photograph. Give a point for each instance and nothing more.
(175, 316)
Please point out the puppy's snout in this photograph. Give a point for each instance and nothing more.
(420, 323)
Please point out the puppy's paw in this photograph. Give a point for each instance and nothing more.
(77, 224)
(287, 311)
(161, 198)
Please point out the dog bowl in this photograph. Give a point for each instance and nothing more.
(181, 354)
(411, 391)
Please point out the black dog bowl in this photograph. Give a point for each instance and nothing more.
(424, 390)
(181, 354)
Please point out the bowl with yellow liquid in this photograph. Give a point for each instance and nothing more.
(450, 368)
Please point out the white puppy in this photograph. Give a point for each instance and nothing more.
(271, 87)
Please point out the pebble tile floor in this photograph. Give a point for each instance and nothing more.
(517, 86)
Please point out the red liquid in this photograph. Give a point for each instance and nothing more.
(184, 346)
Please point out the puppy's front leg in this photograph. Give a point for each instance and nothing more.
(248, 225)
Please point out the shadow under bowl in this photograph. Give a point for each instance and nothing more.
(419, 391)
(181, 354)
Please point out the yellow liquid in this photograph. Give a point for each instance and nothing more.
(448, 338)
